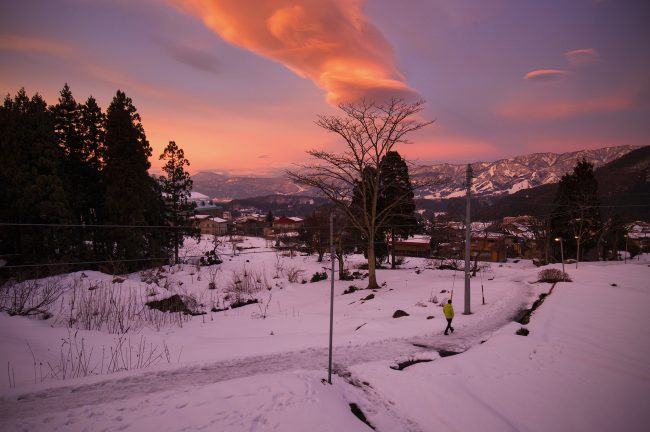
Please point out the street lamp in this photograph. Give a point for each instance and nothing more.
(577, 250)
(560, 239)
(625, 257)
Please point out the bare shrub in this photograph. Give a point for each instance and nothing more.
(113, 308)
(279, 266)
(213, 273)
(245, 284)
(30, 297)
(553, 275)
(152, 276)
(77, 360)
(263, 305)
(293, 273)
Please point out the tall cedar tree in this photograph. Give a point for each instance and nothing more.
(92, 133)
(176, 186)
(576, 218)
(67, 127)
(396, 187)
(31, 185)
(132, 197)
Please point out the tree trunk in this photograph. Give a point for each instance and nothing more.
(392, 249)
(372, 262)
(320, 255)
(339, 256)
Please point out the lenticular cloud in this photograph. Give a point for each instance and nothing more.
(331, 42)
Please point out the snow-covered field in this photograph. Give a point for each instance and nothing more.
(584, 365)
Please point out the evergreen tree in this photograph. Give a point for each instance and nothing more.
(576, 218)
(396, 187)
(133, 198)
(92, 133)
(315, 233)
(67, 122)
(395, 197)
(31, 181)
(177, 186)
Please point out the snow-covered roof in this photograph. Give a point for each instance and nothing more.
(218, 220)
(295, 219)
(198, 196)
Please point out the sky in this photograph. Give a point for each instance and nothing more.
(238, 84)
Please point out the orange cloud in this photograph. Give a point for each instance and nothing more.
(545, 75)
(36, 45)
(581, 57)
(332, 43)
(546, 110)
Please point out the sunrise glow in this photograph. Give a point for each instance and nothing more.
(239, 87)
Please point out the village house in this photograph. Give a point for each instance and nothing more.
(286, 224)
(417, 246)
(211, 225)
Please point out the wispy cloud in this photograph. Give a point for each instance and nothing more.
(263, 156)
(535, 110)
(333, 43)
(37, 45)
(195, 58)
(581, 57)
(545, 75)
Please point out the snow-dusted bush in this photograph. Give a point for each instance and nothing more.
(213, 273)
(245, 283)
(318, 276)
(76, 359)
(552, 276)
(30, 297)
(293, 273)
(114, 308)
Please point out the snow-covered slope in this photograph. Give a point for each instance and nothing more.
(582, 367)
(507, 176)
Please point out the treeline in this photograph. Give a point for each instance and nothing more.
(75, 187)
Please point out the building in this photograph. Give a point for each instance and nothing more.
(284, 224)
(211, 225)
(417, 246)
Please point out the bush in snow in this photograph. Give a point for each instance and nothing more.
(318, 276)
(293, 273)
(210, 258)
(31, 297)
(552, 276)
(245, 284)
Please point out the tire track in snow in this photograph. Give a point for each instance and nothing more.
(69, 397)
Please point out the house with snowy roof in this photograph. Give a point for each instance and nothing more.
(211, 225)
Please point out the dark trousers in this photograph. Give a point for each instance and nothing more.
(449, 327)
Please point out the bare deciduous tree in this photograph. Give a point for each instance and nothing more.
(369, 130)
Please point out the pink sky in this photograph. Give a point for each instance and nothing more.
(238, 84)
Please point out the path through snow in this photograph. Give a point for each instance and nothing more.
(58, 399)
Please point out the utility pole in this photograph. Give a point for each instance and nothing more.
(329, 369)
(468, 239)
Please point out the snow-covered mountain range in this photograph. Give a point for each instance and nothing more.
(505, 176)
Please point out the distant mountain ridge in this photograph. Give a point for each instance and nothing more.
(507, 176)
(502, 177)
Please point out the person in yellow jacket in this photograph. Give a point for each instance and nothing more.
(448, 309)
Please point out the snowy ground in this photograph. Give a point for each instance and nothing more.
(582, 367)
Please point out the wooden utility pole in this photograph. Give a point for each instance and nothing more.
(468, 239)
(329, 368)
